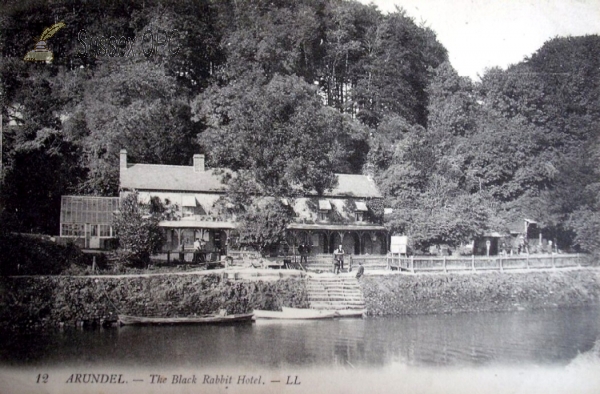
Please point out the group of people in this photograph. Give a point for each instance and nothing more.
(199, 251)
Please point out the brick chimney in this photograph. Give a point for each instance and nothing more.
(123, 160)
(198, 163)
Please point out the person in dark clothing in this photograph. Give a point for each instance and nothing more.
(201, 252)
(361, 271)
(182, 252)
(304, 250)
(336, 266)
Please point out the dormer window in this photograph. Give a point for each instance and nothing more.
(324, 209)
(188, 205)
(359, 211)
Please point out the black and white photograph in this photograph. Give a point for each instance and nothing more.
(299, 196)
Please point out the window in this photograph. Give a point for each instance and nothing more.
(72, 230)
(105, 231)
(359, 210)
(324, 208)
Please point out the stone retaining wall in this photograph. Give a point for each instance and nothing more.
(491, 291)
(55, 301)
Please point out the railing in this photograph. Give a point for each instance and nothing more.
(481, 263)
(324, 262)
(186, 257)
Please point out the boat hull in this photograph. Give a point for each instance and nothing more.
(295, 314)
(127, 320)
(351, 312)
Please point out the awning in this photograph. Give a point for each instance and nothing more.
(361, 206)
(335, 227)
(324, 205)
(495, 234)
(198, 224)
(144, 198)
(189, 201)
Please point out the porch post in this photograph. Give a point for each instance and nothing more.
(342, 234)
(178, 231)
(360, 247)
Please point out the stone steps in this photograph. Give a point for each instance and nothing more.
(334, 293)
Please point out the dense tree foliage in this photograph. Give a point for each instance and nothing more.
(287, 93)
(263, 224)
(138, 231)
(522, 143)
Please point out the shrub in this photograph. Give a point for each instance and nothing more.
(30, 255)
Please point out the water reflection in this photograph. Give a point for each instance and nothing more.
(542, 337)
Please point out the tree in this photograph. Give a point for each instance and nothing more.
(264, 223)
(138, 232)
(41, 171)
(277, 132)
(398, 71)
(135, 107)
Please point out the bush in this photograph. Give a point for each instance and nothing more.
(30, 255)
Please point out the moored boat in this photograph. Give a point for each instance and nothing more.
(127, 320)
(295, 314)
(351, 312)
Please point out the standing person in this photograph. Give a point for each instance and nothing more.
(336, 266)
(361, 271)
(182, 251)
(302, 250)
(201, 251)
(196, 250)
(338, 256)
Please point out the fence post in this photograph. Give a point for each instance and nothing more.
(553, 262)
(527, 261)
(501, 265)
(578, 261)
(412, 264)
(445, 270)
(473, 262)
(168, 256)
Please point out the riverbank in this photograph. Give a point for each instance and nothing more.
(57, 301)
(403, 294)
(42, 302)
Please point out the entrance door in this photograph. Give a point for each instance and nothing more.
(94, 237)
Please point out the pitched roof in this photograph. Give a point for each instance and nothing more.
(167, 177)
(353, 185)
(160, 177)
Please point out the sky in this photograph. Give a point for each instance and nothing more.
(480, 34)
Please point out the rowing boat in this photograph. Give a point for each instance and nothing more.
(127, 320)
(350, 312)
(337, 312)
(294, 314)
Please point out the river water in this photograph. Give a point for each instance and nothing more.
(530, 351)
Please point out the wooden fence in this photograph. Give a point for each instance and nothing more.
(449, 263)
(483, 263)
(324, 262)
